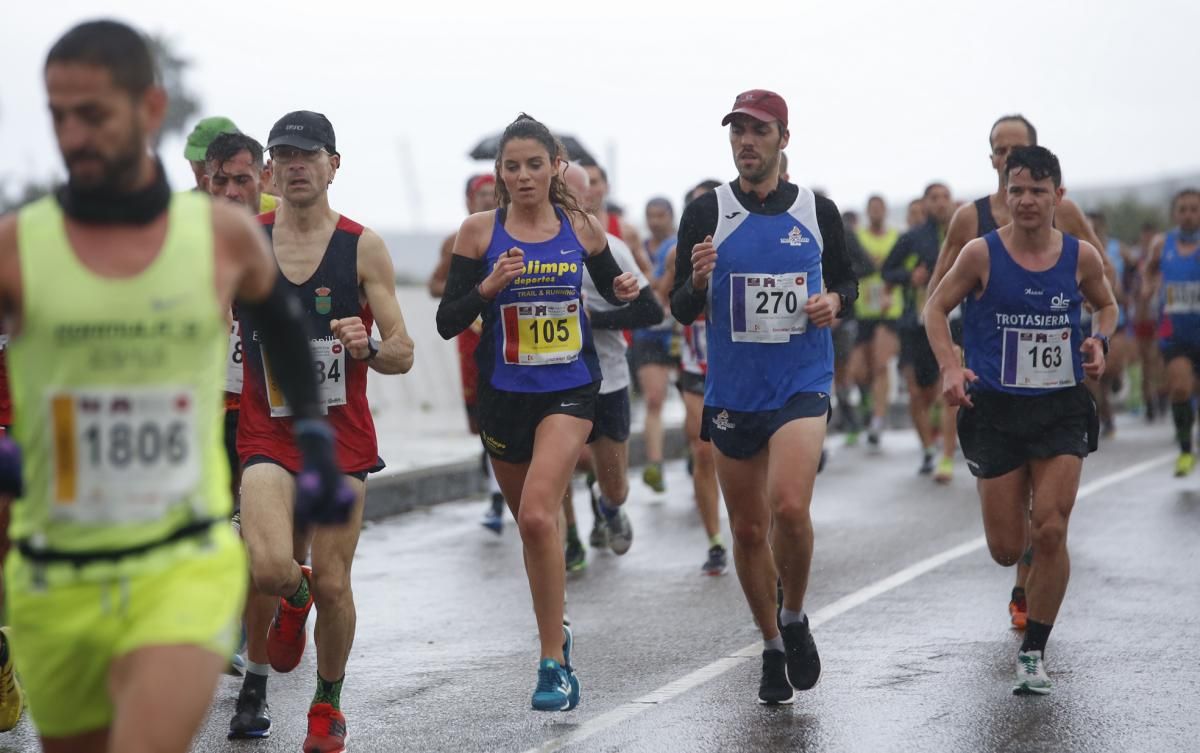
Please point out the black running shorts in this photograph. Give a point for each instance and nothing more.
(1004, 432)
(508, 421)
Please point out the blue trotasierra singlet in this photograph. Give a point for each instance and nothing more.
(761, 350)
(1022, 335)
(536, 337)
(1181, 292)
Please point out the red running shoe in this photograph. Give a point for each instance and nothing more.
(287, 636)
(1018, 611)
(326, 730)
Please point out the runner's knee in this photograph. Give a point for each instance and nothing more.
(1049, 535)
(749, 533)
(331, 587)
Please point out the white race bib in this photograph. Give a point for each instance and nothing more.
(1037, 359)
(1182, 298)
(536, 334)
(233, 360)
(329, 362)
(122, 455)
(767, 308)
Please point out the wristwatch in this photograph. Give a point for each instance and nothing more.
(372, 349)
(1103, 342)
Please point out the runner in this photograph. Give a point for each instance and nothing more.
(233, 166)
(655, 349)
(1121, 350)
(908, 267)
(976, 220)
(776, 259)
(916, 215)
(878, 312)
(606, 457)
(693, 368)
(597, 204)
(539, 373)
(343, 275)
(196, 146)
(1027, 420)
(126, 583)
(1174, 265)
(481, 197)
(1146, 311)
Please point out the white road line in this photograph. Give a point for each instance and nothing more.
(719, 667)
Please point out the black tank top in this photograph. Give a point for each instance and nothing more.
(983, 210)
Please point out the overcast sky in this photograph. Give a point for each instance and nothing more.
(884, 95)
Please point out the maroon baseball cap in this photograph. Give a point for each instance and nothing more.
(759, 104)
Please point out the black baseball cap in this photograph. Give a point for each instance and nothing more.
(305, 130)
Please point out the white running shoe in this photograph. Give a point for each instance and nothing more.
(1031, 674)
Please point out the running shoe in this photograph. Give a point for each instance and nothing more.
(620, 532)
(557, 688)
(774, 687)
(326, 730)
(873, 441)
(493, 519)
(945, 471)
(237, 665)
(287, 636)
(803, 662)
(12, 697)
(1185, 464)
(926, 465)
(852, 438)
(1031, 674)
(652, 475)
(576, 555)
(252, 717)
(717, 562)
(1018, 610)
(599, 536)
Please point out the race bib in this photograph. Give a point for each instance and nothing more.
(536, 334)
(1037, 359)
(329, 362)
(233, 360)
(875, 295)
(767, 308)
(1182, 298)
(122, 455)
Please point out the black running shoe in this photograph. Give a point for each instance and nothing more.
(252, 719)
(803, 663)
(774, 687)
(927, 466)
(717, 562)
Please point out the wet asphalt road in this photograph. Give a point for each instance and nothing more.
(445, 658)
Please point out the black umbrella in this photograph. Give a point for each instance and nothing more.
(488, 148)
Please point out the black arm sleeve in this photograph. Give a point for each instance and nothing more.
(461, 302)
(603, 269)
(895, 267)
(285, 340)
(835, 259)
(643, 311)
(699, 220)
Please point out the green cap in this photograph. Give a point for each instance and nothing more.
(203, 134)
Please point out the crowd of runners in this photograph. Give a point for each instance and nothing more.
(180, 361)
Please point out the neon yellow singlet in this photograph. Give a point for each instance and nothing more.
(871, 288)
(117, 388)
(267, 203)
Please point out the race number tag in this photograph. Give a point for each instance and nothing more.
(329, 362)
(122, 455)
(767, 308)
(1037, 358)
(536, 334)
(233, 360)
(875, 295)
(1182, 298)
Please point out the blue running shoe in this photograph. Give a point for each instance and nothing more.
(555, 689)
